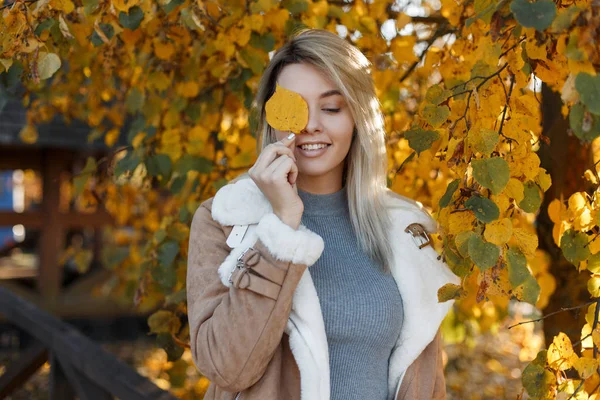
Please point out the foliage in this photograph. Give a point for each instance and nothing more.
(176, 79)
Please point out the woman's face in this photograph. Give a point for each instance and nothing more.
(329, 122)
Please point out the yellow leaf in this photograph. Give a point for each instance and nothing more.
(402, 20)
(585, 367)
(66, 6)
(543, 179)
(124, 5)
(531, 165)
(593, 285)
(534, 51)
(188, 89)
(514, 189)
(29, 134)
(460, 222)
(111, 137)
(596, 336)
(560, 353)
(498, 232)
(402, 48)
(556, 211)
(502, 201)
(286, 110)
(526, 241)
(164, 51)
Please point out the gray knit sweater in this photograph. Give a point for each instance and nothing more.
(361, 305)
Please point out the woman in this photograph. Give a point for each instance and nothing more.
(307, 278)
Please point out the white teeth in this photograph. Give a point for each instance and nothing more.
(313, 146)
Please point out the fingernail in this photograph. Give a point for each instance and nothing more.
(291, 135)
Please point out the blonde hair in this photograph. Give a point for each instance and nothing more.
(366, 163)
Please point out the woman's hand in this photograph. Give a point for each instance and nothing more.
(275, 173)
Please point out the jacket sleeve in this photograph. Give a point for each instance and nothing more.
(234, 331)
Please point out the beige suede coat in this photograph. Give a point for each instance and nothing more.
(256, 328)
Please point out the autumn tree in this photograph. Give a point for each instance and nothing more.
(459, 84)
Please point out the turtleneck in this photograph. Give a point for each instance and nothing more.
(325, 204)
(361, 305)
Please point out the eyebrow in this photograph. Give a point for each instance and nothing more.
(330, 93)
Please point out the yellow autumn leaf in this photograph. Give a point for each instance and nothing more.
(498, 232)
(188, 89)
(164, 51)
(515, 189)
(560, 353)
(111, 137)
(124, 5)
(286, 110)
(402, 48)
(460, 222)
(526, 241)
(28, 134)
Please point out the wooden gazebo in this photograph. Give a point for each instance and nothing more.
(60, 148)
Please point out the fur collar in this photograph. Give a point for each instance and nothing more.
(418, 274)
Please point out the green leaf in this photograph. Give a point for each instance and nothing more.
(108, 31)
(585, 125)
(265, 42)
(449, 291)
(254, 59)
(163, 321)
(48, 64)
(178, 183)
(436, 94)
(458, 265)
(191, 163)
(167, 8)
(485, 209)
(127, 163)
(159, 165)
(452, 187)
(484, 254)
(167, 252)
(538, 15)
(462, 242)
(574, 246)
(132, 19)
(44, 25)
(112, 256)
(483, 140)
(491, 173)
(484, 9)
(588, 87)
(88, 171)
(531, 290)
(135, 100)
(517, 267)
(295, 6)
(593, 264)
(436, 115)
(537, 380)
(532, 199)
(565, 18)
(420, 139)
(166, 342)
(90, 6)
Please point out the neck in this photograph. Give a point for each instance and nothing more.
(324, 184)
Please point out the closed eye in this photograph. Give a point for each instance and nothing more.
(332, 110)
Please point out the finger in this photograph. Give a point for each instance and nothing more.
(269, 154)
(293, 175)
(280, 168)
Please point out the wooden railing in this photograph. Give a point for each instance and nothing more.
(78, 366)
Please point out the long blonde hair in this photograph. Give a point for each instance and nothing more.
(366, 163)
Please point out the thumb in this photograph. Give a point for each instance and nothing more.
(288, 140)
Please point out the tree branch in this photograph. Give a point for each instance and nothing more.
(554, 313)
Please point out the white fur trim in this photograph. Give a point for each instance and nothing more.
(419, 275)
(308, 341)
(300, 246)
(240, 203)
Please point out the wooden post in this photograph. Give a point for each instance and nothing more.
(60, 389)
(53, 234)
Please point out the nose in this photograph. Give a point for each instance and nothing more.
(314, 124)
